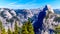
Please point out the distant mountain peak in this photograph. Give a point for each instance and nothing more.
(49, 8)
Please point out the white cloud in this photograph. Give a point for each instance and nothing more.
(22, 6)
(12, 3)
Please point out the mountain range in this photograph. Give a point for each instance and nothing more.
(8, 16)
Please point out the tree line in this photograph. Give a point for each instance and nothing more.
(27, 28)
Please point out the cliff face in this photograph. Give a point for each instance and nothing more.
(8, 16)
(51, 21)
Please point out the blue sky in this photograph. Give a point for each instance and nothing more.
(28, 4)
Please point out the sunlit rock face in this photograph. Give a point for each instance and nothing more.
(50, 9)
(29, 13)
(8, 16)
(5, 13)
(49, 23)
(38, 24)
(12, 12)
(22, 15)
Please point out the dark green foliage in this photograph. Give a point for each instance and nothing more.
(24, 30)
(3, 31)
(27, 28)
(30, 27)
(16, 28)
(0, 25)
(19, 30)
(9, 31)
(57, 29)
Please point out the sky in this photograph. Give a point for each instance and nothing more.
(29, 4)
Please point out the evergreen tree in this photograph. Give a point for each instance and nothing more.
(9, 31)
(16, 28)
(24, 29)
(30, 27)
(3, 31)
(0, 26)
(57, 29)
(19, 30)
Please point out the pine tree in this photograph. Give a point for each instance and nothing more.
(16, 28)
(19, 30)
(27, 28)
(3, 31)
(24, 29)
(0, 26)
(30, 27)
(9, 31)
(57, 29)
